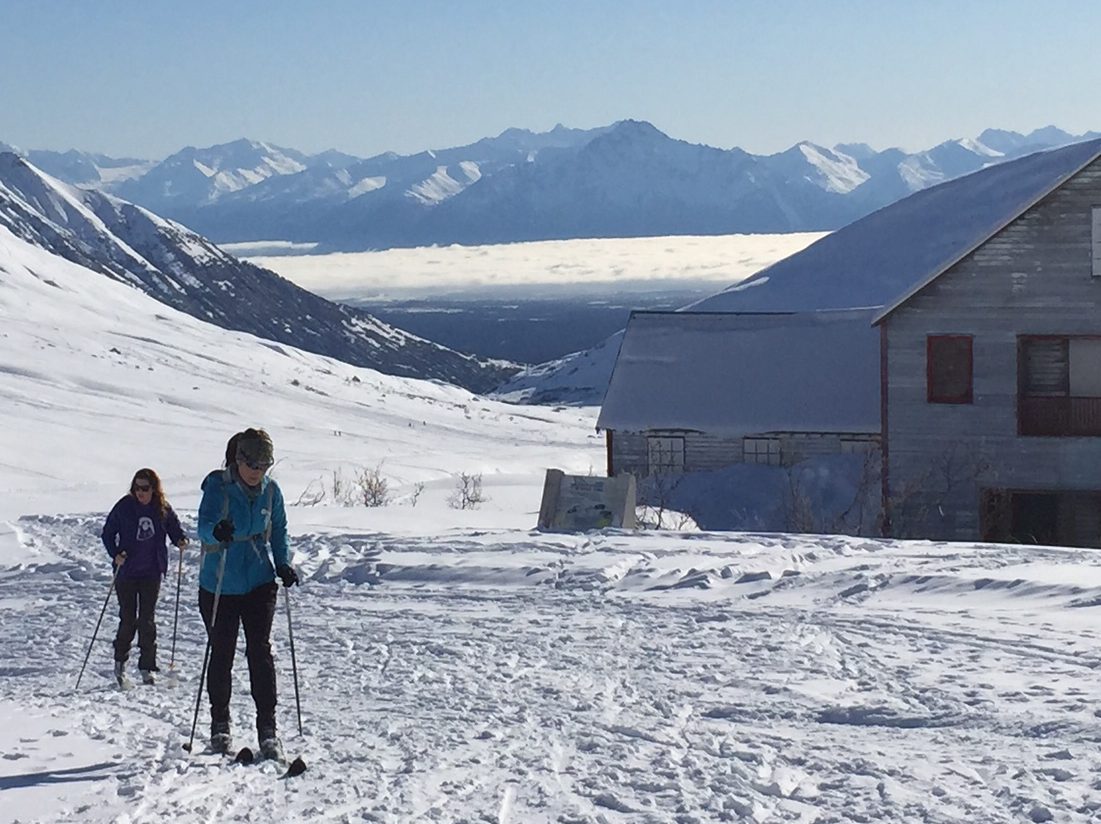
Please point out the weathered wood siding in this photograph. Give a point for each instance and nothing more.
(704, 451)
(701, 451)
(1032, 278)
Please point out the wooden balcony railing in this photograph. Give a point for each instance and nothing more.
(1059, 416)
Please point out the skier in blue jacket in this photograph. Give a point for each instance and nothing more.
(243, 528)
(134, 535)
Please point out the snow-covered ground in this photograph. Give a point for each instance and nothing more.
(459, 666)
(504, 675)
(643, 263)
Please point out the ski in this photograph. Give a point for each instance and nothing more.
(292, 769)
(245, 756)
(272, 750)
(297, 767)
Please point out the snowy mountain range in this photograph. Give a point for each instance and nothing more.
(184, 270)
(624, 180)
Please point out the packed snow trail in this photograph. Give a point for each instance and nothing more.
(518, 677)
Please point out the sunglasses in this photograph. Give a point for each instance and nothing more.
(251, 464)
(142, 487)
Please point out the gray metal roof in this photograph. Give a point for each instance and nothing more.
(736, 374)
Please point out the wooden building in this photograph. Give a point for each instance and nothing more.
(985, 296)
(992, 389)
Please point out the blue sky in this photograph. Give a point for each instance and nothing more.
(147, 78)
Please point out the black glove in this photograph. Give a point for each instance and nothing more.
(287, 574)
(223, 531)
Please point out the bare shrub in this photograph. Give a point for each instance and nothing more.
(800, 510)
(340, 488)
(371, 487)
(657, 512)
(914, 503)
(415, 495)
(313, 494)
(802, 515)
(468, 492)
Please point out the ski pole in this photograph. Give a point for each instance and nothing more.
(206, 653)
(176, 620)
(294, 662)
(106, 601)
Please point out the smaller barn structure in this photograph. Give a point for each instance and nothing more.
(694, 391)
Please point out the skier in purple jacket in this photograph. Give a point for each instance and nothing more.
(134, 535)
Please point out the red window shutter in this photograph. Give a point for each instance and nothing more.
(949, 369)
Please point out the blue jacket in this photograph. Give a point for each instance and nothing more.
(139, 531)
(249, 557)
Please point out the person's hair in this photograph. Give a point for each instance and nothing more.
(248, 435)
(154, 481)
(231, 449)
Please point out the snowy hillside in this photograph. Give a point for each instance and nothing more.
(94, 368)
(186, 271)
(456, 665)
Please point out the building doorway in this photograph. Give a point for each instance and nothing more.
(1038, 517)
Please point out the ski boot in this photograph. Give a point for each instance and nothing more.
(220, 739)
(121, 677)
(271, 747)
(147, 677)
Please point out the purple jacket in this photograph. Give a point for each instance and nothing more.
(139, 531)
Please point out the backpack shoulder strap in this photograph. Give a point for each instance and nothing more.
(227, 479)
(267, 525)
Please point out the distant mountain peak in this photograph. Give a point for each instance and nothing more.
(1049, 135)
(640, 128)
(514, 131)
(859, 151)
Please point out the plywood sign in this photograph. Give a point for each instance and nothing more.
(575, 503)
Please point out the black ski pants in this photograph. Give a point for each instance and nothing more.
(255, 611)
(137, 613)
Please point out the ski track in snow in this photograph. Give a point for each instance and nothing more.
(524, 677)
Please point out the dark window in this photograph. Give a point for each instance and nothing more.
(1059, 386)
(1042, 517)
(948, 368)
(665, 454)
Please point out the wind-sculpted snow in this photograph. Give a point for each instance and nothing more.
(516, 676)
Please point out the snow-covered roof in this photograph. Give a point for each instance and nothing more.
(736, 374)
(884, 258)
